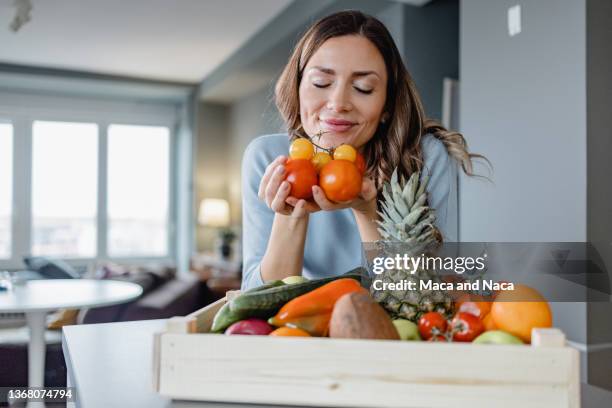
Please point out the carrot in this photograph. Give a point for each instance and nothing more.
(312, 311)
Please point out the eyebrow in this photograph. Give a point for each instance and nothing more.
(356, 73)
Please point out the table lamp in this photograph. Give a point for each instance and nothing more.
(215, 213)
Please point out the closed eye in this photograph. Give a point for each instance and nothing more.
(363, 91)
(321, 85)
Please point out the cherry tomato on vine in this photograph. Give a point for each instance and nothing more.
(320, 159)
(340, 180)
(432, 324)
(345, 152)
(466, 327)
(302, 175)
(301, 149)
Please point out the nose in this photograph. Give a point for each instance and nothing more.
(339, 100)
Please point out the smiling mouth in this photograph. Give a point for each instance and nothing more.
(337, 125)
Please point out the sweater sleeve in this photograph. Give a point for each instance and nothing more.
(257, 218)
(442, 186)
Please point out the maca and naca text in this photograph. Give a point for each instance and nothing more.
(412, 264)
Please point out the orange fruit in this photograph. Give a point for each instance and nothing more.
(289, 332)
(488, 322)
(520, 310)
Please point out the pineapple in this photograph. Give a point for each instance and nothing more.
(407, 226)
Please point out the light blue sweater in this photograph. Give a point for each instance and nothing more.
(333, 243)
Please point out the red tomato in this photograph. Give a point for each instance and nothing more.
(302, 176)
(360, 163)
(340, 180)
(466, 327)
(432, 324)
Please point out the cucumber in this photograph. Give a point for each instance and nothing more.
(266, 303)
(225, 317)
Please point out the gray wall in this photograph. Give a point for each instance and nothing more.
(523, 106)
(211, 164)
(431, 49)
(538, 106)
(252, 116)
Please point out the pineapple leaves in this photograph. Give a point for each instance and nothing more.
(404, 215)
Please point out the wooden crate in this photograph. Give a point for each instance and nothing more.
(191, 364)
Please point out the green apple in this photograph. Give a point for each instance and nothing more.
(497, 337)
(289, 280)
(406, 329)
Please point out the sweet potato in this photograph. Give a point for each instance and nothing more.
(358, 316)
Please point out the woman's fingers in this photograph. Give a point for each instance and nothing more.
(309, 206)
(268, 174)
(299, 210)
(274, 183)
(322, 201)
(368, 189)
(278, 203)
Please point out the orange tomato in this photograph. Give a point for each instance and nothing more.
(340, 180)
(302, 175)
(521, 310)
(289, 332)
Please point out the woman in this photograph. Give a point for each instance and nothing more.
(346, 81)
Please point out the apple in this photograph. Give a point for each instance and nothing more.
(497, 337)
(289, 280)
(406, 329)
(251, 326)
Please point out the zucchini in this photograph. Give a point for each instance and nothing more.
(225, 317)
(266, 303)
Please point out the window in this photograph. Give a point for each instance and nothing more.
(6, 188)
(138, 190)
(64, 189)
(88, 180)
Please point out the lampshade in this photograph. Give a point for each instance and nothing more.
(214, 212)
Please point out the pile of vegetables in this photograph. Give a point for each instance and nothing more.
(340, 307)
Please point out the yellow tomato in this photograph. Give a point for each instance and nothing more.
(320, 159)
(301, 149)
(345, 152)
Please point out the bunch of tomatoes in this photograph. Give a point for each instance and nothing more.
(339, 172)
(464, 327)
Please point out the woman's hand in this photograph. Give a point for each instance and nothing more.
(274, 191)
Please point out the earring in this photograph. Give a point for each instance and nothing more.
(384, 118)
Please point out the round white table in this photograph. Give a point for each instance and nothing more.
(36, 298)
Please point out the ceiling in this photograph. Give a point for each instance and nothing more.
(168, 40)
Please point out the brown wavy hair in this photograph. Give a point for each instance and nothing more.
(397, 141)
